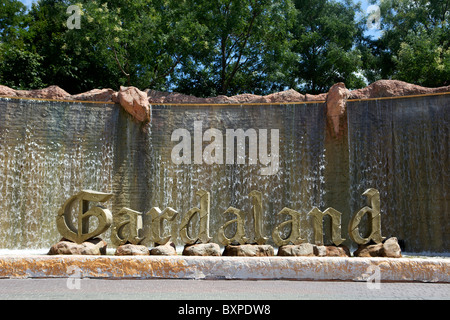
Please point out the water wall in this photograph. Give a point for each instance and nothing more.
(50, 150)
(401, 147)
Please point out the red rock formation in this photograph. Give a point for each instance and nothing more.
(94, 95)
(393, 88)
(137, 102)
(336, 104)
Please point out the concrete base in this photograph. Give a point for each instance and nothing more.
(261, 268)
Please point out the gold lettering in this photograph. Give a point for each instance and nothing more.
(203, 212)
(135, 227)
(157, 223)
(294, 235)
(81, 233)
(239, 235)
(318, 216)
(257, 209)
(373, 199)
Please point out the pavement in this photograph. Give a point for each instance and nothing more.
(236, 290)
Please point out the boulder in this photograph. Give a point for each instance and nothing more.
(7, 91)
(336, 105)
(340, 251)
(51, 93)
(249, 250)
(312, 250)
(167, 249)
(367, 251)
(389, 249)
(316, 97)
(247, 98)
(393, 88)
(94, 95)
(300, 250)
(95, 246)
(160, 97)
(285, 96)
(202, 249)
(132, 250)
(135, 102)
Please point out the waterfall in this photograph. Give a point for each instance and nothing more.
(50, 150)
(401, 147)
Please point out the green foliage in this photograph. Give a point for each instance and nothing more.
(211, 47)
(414, 46)
(325, 33)
(12, 20)
(424, 59)
(243, 48)
(20, 69)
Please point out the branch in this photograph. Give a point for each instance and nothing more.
(120, 66)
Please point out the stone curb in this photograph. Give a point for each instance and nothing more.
(242, 268)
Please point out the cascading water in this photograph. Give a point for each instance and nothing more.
(50, 150)
(297, 184)
(401, 147)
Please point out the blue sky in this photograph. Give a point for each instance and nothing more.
(28, 2)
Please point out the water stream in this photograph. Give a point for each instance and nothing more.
(50, 150)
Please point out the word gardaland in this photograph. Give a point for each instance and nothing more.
(128, 224)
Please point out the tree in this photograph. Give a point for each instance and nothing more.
(414, 46)
(325, 33)
(12, 20)
(19, 67)
(144, 41)
(244, 47)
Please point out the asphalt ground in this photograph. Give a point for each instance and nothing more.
(233, 290)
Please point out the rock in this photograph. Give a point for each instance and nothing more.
(393, 88)
(95, 246)
(367, 251)
(247, 98)
(336, 105)
(221, 99)
(303, 250)
(311, 250)
(94, 95)
(340, 251)
(52, 93)
(389, 249)
(320, 251)
(161, 97)
(132, 250)
(168, 249)
(249, 250)
(202, 249)
(7, 91)
(285, 96)
(135, 102)
(318, 97)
